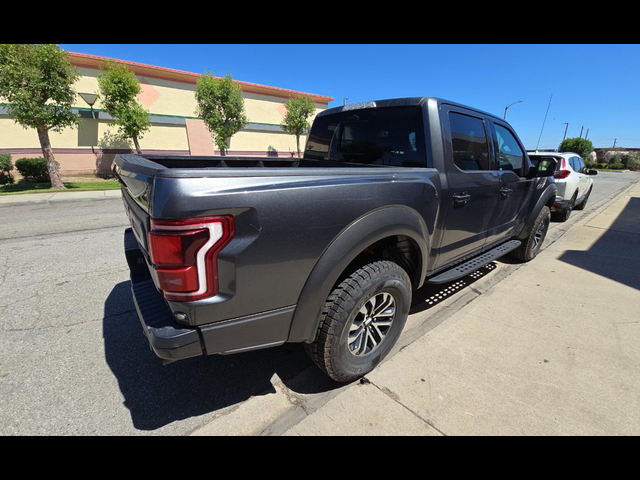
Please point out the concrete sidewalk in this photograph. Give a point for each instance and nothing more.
(552, 349)
(34, 198)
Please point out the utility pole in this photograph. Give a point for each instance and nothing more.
(565, 131)
(614, 143)
(587, 134)
(581, 131)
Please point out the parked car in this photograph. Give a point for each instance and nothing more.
(573, 181)
(231, 254)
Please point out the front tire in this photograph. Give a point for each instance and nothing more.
(361, 321)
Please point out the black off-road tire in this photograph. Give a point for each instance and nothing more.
(336, 350)
(531, 245)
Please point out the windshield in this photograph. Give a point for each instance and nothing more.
(377, 136)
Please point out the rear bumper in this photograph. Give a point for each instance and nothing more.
(172, 341)
(167, 338)
(560, 204)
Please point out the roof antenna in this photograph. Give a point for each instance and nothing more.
(543, 122)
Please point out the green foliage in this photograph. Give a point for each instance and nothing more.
(6, 166)
(221, 107)
(36, 82)
(577, 145)
(616, 165)
(296, 120)
(118, 89)
(33, 169)
(633, 161)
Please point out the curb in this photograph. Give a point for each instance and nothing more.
(58, 197)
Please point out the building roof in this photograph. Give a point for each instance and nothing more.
(152, 71)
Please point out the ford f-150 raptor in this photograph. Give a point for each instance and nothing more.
(230, 254)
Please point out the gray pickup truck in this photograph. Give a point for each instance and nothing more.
(231, 254)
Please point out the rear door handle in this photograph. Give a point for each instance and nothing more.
(461, 198)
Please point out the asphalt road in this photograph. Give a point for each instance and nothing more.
(73, 359)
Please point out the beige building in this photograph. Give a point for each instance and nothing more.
(168, 95)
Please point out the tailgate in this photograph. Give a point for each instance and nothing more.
(136, 189)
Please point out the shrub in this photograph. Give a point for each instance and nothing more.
(5, 169)
(581, 146)
(616, 165)
(633, 161)
(33, 169)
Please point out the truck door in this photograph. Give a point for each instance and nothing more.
(473, 188)
(512, 166)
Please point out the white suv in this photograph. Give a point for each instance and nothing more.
(573, 181)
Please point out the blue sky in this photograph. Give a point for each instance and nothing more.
(593, 86)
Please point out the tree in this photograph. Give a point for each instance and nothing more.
(577, 145)
(36, 81)
(296, 119)
(221, 107)
(118, 89)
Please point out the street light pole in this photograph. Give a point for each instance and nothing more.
(507, 107)
(565, 131)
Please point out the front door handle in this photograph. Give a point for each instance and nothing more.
(506, 191)
(461, 198)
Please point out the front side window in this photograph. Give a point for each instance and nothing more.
(510, 154)
(469, 142)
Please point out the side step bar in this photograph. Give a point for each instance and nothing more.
(475, 263)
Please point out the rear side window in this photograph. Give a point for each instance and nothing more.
(469, 141)
(377, 136)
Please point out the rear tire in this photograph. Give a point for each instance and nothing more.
(564, 215)
(361, 321)
(584, 202)
(531, 245)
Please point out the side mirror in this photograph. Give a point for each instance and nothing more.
(592, 172)
(546, 168)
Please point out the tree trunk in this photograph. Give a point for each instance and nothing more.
(135, 142)
(298, 142)
(52, 166)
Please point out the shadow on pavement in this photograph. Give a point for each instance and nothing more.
(615, 254)
(157, 395)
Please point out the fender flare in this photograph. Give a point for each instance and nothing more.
(350, 242)
(549, 193)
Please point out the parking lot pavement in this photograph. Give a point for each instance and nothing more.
(74, 360)
(552, 351)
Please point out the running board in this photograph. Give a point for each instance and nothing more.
(475, 263)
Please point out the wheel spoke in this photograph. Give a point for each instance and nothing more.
(371, 324)
(385, 301)
(356, 341)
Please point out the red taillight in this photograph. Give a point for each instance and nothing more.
(562, 172)
(184, 254)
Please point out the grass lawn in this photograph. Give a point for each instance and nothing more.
(24, 187)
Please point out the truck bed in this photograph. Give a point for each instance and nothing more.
(285, 216)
